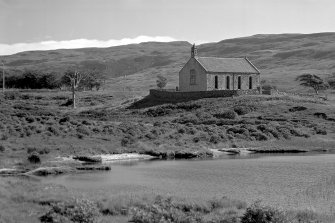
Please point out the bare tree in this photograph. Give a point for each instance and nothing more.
(161, 81)
(75, 78)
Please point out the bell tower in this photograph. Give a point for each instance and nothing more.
(194, 51)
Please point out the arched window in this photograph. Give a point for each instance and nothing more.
(193, 77)
(250, 82)
(239, 82)
(216, 82)
(227, 82)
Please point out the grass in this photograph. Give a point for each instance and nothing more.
(48, 203)
(36, 119)
(35, 124)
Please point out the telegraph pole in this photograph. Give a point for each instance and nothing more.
(124, 83)
(3, 76)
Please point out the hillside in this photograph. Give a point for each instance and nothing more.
(280, 57)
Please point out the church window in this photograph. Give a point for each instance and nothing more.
(193, 77)
(239, 82)
(227, 82)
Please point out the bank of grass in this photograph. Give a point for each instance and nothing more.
(102, 125)
(169, 209)
(53, 203)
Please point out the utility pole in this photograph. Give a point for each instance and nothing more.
(3, 75)
(124, 83)
(105, 74)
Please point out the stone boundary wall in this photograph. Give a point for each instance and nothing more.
(193, 95)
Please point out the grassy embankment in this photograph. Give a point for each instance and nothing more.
(38, 122)
(28, 200)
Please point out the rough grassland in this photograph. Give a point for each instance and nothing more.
(38, 122)
(28, 200)
(280, 57)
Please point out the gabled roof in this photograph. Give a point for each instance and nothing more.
(227, 65)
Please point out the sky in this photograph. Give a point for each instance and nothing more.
(52, 24)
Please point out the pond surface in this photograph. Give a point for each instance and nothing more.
(290, 181)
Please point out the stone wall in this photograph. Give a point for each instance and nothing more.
(182, 96)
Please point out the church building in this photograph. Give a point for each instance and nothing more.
(213, 73)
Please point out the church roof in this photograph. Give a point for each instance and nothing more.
(227, 65)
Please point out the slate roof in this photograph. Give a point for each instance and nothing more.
(227, 65)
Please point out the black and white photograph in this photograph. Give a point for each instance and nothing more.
(167, 111)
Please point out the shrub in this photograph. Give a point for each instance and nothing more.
(128, 140)
(158, 111)
(191, 131)
(225, 202)
(150, 136)
(202, 116)
(226, 115)
(259, 136)
(34, 158)
(83, 130)
(43, 151)
(299, 133)
(297, 108)
(161, 211)
(2, 148)
(4, 136)
(170, 210)
(79, 210)
(189, 118)
(269, 130)
(306, 216)
(64, 119)
(69, 102)
(321, 115)
(31, 150)
(320, 131)
(262, 214)
(284, 131)
(53, 130)
(30, 119)
(196, 139)
(80, 136)
(187, 106)
(96, 130)
(85, 122)
(237, 130)
(242, 110)
(214, 139)
(181, 130)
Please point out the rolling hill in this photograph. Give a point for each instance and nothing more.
(280, 57)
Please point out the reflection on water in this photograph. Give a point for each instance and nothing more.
(286, 180)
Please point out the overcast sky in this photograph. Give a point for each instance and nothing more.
(51, 24)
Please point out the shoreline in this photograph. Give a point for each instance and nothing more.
(73, 164)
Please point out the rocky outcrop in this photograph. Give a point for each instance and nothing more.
(183, 154)
(93, 167)
(88, 159)
(9, 171)
(45, 171)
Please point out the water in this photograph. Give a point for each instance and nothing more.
(304, 181)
